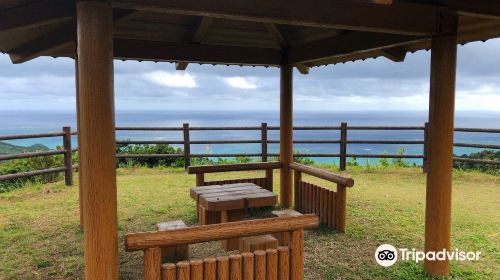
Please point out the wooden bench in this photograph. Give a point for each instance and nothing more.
(283, 263)
(284, 237)
(177, 252)
(260, 242)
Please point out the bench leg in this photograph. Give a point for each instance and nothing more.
(231, 216)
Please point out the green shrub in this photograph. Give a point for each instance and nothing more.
(148, 149)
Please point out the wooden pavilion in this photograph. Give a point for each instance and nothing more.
(285, 34)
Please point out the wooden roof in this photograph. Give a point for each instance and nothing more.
(304, 33)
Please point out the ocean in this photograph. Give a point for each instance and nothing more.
(34, 122)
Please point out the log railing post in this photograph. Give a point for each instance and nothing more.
(264, 141)
(426, 139)
(68, 163)
(343, 145)
(187, 146)
(297, 190)
(297, 254)
(152, 264)
(340, 208)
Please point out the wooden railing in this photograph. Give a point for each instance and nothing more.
(343, 142)
(329, 205)
(67, 151)
(264, 141)
(288, 262)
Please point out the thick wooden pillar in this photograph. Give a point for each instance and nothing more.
(286, 134)
(97, 136)
(80, 178)
(440, 150)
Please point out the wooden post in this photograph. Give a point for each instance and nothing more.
(260, 265)
(80, 177)
(222, 268)
(152, 264)
(283, 263)
(200, 179)
(97, 135)
(168, 271)
(210, 269)
(297, 194)
(440, 149)
(297, 254)
(196, 269)
(263, 137)
(286, 134)
(68, 163)
(343, 145)
(187, 146)
(341, 206)
(426, 139)
(248, 266)
(235, 267)
(183, 271)
(272, 264)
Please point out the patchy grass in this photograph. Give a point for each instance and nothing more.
(40, 236)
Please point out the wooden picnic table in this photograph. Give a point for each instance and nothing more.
(226, 203)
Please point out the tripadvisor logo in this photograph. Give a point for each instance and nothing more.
(386, 255)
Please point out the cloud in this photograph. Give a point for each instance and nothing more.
(374, 84)
(240, 82)
(174, 80)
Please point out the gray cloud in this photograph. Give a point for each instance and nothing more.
(48, 83)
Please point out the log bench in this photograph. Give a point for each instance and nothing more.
(177, 252)
(283, 238)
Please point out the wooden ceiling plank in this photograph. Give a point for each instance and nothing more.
(53, 40)
(195, 53)
(349, 43)
(199, 32)
(398, 18)
(396, 54)
(36, 14)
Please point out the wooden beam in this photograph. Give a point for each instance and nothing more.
(198, 33)
(195, 53)
(396, 54)
(44, 44)
(286, 135)
(440, 151)
(35, 14)
(476, 8)
(284, 42)
(399, 18)
(53, 40)
(97, 135)
(346, 44)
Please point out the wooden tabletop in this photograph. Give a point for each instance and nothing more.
(233, 196)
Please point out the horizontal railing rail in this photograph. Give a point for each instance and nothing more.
(343, 141)
(323, 174)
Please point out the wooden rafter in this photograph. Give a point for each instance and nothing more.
(284, 43)
(396, 54)
(195, 53)
(346, 44)
(399, 18)
(36, 14)
(196, 36)
(53, 40)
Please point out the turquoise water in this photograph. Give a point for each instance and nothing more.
(33, 122)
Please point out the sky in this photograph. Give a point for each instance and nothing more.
(47, 84)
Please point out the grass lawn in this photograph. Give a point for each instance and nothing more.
(40, 236)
